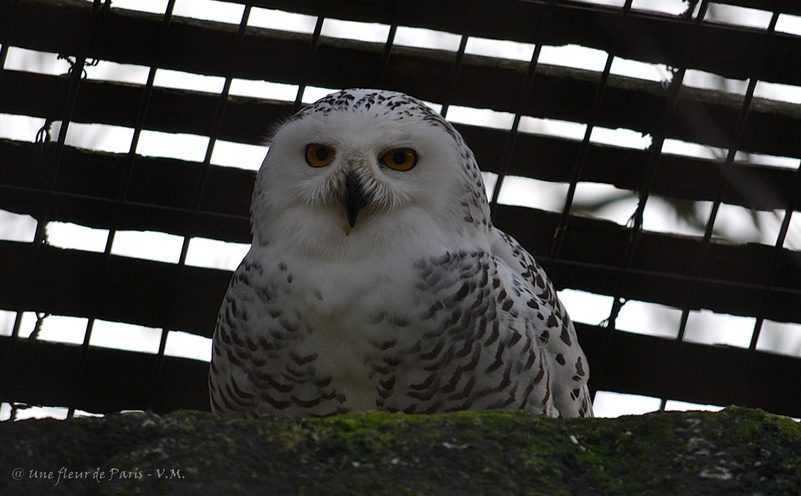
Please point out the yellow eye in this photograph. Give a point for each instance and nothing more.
(400, 159)
(318, 155)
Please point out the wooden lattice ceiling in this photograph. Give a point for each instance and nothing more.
(52, 181)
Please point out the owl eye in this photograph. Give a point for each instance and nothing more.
(400, 159)
(319, 155)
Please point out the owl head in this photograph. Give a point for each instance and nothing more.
(363, 170)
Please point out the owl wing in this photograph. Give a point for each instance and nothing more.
(250, 340)
(555, 331)
(230, 389)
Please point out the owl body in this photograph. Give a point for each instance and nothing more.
(376, 280)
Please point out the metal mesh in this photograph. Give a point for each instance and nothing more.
(707, 313)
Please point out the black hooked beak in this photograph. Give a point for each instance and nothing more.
(354, 198)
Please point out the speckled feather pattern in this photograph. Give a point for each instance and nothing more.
(423, 306)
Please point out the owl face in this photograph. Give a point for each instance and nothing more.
(364, 166)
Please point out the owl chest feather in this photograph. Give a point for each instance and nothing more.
(345, 319)
(428, 324)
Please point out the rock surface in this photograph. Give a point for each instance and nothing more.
(735, 451)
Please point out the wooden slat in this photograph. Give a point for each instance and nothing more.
(552, 159)
(78, 283)
(112, 380)
(159, 192)
(246, 120)
(702, 116)
(785, 6)
(731, 281)
(155, 294)
(116, 379)
(640, 364)
(730, 51)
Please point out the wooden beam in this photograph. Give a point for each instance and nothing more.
(201, 47)
(159, 294)
(158, 197)
(121, 289)
(637, 364)
(112, 380)
(731, 51)
(699, 373)
(159, 193)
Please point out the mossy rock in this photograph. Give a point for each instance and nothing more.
(735, 451)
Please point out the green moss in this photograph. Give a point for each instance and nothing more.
(736, 451)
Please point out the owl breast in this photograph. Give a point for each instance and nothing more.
(352, 320)
(424, 335)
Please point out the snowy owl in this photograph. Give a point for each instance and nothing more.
(375, 279)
